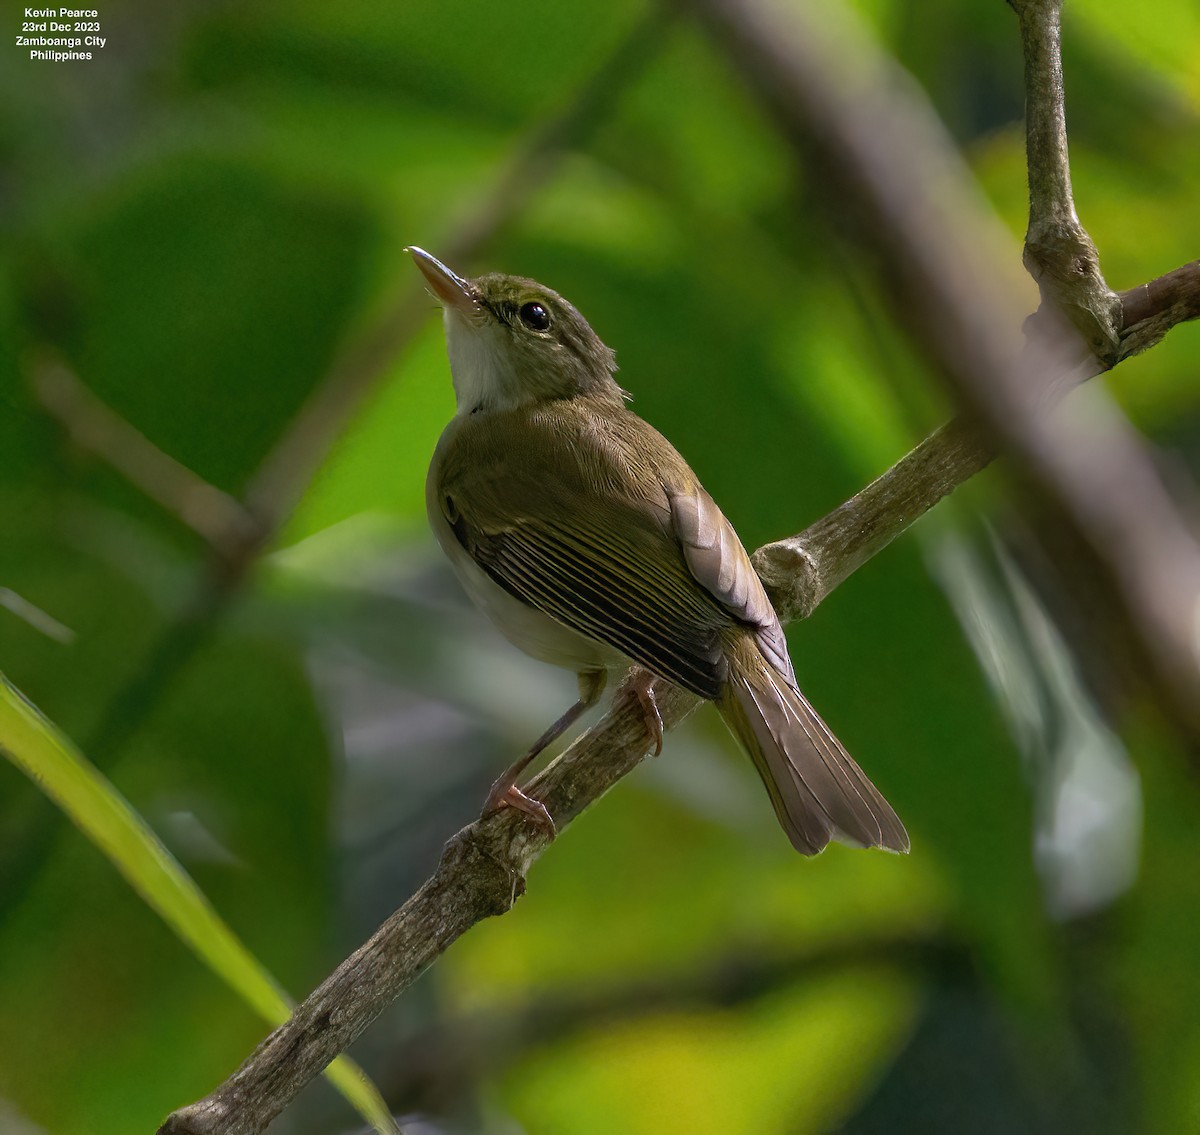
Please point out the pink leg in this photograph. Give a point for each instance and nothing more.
(505, 793)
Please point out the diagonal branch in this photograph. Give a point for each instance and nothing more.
(212, 514)
(1149, 311)
(800, 571)
(482, 870)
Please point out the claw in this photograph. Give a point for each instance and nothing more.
(505, 794)
(642, 685)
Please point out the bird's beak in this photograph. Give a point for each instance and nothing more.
(450, 289)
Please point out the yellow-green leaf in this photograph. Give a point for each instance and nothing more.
(34, 745)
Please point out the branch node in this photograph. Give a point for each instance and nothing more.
(790, 574)
(1063, 259)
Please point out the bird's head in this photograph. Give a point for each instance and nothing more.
(513, 341)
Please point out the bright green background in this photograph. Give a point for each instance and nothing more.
(197, 220)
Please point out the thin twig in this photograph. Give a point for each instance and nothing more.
(35, 616)
(1059, 253)
(94, 427)
(1148, 312)
(942, 257)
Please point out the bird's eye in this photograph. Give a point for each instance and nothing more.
(535, 317)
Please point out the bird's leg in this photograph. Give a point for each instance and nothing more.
(505, 793)
(641, 684)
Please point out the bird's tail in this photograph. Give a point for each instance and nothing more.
(818, 791)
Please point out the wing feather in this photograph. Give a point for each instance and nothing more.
(611, 572)
(717, 560)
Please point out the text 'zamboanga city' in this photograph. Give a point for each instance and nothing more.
(48, 31)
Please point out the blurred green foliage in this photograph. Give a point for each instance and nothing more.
(198, 221)
(33, 744)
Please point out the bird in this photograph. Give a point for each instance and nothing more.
(590, 543)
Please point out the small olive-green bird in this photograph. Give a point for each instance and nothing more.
(590, 543)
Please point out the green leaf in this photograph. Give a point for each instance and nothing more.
(35, 746)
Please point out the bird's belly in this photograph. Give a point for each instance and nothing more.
(524, 626)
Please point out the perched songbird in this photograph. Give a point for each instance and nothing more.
(590, 543)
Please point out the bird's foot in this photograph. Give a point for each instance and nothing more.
(641, 682)
(505, 794)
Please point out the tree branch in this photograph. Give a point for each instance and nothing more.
(940, 255)
(1149, 311)
(483, 868)
(1059, 253)
(800, 571)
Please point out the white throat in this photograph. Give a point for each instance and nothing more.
(481, 367)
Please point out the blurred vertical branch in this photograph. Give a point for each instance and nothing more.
(943, 261)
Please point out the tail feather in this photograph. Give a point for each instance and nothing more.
(819, 793)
